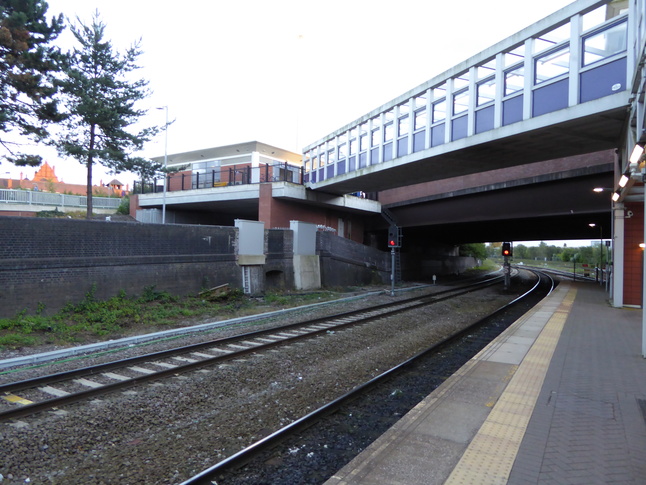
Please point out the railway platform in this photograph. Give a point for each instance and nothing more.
(558, 398)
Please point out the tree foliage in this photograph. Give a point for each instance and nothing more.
(593, 254)
(475, 250)
(28, 65)
(100, 100)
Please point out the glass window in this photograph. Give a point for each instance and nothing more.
(460, 102)
(402, 127)
(363, 142)
(404, 109)
(602, 14)
(461, 81)
(439, 91)
(388, 132)
(514, 56)
(389, 116)
(331, 158)
(514, 81)
(419, 101)
(374, 137)
(552, 65)
(353, 147)
(550, 39)
(439, 111)
(342, 151)
(486, 91)
(604, 44)
(486, 69)
(420, 119)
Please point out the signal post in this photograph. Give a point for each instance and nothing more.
(394, 242)
(507, 252)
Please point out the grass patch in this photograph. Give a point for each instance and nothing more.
(94, 320)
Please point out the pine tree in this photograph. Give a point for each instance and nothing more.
(100, 101)
(28, 64)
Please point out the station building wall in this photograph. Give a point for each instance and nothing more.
(633, 254)
(277, 213)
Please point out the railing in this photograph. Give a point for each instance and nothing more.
(224, 177)
(31, 197)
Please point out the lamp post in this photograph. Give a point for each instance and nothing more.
(593, 225)
(165, 108)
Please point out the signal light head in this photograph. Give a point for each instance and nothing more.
(506, 249)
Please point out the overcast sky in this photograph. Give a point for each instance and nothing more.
(285, 72)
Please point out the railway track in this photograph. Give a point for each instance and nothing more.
(23, 398)
(226, 470)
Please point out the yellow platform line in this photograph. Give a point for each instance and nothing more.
(491, 454)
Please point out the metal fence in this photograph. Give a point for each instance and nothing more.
(31, 197)
(223, 177)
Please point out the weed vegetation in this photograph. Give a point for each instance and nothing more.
(94, 320)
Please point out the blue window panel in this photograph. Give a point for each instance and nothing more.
(484, 119)
(459, 128)
(437, 135)
(550, 98)
(313, 176)
(321, 174)
(330, 171)
(306, 178)
(352, 165)
(402, 146)
(603, 80)
(512, 110)
(388, 151)
(419, 140)
(340, 167)
(374, 156)
(363, 159)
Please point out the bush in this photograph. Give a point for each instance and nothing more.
(124, 207)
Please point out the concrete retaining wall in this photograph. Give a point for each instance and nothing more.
(347, 263)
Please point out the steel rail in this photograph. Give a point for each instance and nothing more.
(32, 408)
(245, 455)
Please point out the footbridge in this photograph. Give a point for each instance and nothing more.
(563, 87)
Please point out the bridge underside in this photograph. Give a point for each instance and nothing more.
(556, 210)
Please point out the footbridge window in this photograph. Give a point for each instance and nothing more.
(604, 44)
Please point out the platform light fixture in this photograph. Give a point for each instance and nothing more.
(636, 154)
(623, 180)
(615, 195)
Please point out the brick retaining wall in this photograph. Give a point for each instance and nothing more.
(56, 261)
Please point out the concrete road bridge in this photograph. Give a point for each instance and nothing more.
(510, 143)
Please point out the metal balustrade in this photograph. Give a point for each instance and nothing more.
(30, 197)
(224, 177)
(587, 51)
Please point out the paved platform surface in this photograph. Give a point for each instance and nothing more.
(558, 398)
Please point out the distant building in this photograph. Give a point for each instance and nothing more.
(45, 180)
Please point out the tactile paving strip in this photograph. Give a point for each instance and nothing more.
(490, 455)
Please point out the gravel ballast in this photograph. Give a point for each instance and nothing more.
(166, 432)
